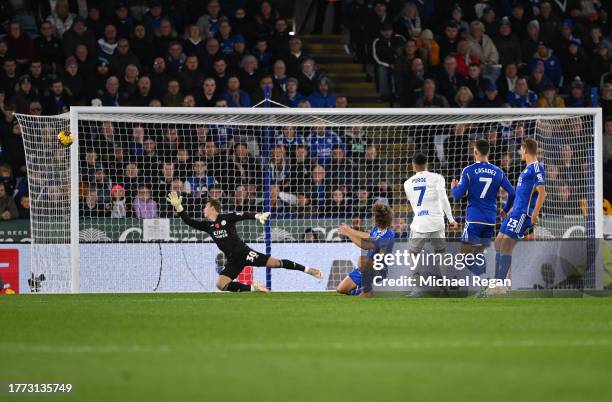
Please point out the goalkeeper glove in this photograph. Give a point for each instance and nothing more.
(262, 217)
(176, 201)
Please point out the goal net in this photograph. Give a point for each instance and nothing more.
(101, 222)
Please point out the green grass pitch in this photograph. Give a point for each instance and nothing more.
(307, 347)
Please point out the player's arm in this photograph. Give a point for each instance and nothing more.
(177, 202)
(358, 238)
(539, 203)
(460, 189)
(445, 203)
(541, 189)
(508, 188)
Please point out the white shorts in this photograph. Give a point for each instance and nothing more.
(418, 240)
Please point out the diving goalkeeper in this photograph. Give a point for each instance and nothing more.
(222, 229)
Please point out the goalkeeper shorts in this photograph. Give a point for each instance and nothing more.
(237, 261)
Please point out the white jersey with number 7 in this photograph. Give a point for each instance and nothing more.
(426, 192)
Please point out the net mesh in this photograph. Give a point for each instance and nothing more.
(311, 170)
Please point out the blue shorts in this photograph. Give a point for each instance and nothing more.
(355, 275)
(515, 225)
(477, 234)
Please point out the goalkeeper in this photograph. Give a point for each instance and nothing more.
(222, 229)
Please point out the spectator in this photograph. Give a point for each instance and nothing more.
(484, 49)
(24, 95)
(9, 79)
(338, 205)
(408, 23)
(207, 97)
(323, 97)
(190, 77)
(91, 206)
(430, 48)
(384, 52)
(164, 37)
(289, 139)
(61, 18)
(108, 43)
(522, 96)
(142, 96)
(220, 74)
(123, 57)
(47, 47)
(448, 41)
(173, 96)
(491, 97)
(58, 100)
(448, 80)
(20, 44)
(141, 44)
(341, 171)
(318, 187)
(209, 22)
(175, 58)
(574, 61)
(537, 81)
(266, 86)
(529, 45)
(413, 83)
(429, 98)
(279, 166)
(234, 96)
(322, 141)
(24, 207)
(464, 98)
(308, 77)
(300, 169)
(507, 43)
(403, 63)
(549, 22)
(143, 205)
(600, 63)
(78, 35)
(119, 206)
(550, 98)
(295, 58)
(475, 82)
(507, 81)
(578, 97)
(248, 75)
(262, 55)
(465, 56)
(552, 65)
(280, 76)
(279, 41)
(73, 81)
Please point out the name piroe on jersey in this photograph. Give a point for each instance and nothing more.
(426, 192)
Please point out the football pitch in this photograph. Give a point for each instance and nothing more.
(307, 347)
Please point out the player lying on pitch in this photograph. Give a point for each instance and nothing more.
(222, 229)
(379, 241)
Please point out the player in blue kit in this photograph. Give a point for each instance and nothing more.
(528, 202)
(379, 241)
(481, 182)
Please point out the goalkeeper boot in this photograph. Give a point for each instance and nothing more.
(314, 272)
(497, 291)
(258, 287)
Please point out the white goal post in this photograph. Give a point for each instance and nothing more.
(100, 222)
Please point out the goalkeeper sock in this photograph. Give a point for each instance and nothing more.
(237, 287)
(294, 266)
(504, 266)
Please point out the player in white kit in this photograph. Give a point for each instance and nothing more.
(426, 192)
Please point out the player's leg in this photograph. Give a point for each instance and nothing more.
(232, 269)
(351, 283)
(366, 268)
(416, 244)
(272, 262)
(475, 238)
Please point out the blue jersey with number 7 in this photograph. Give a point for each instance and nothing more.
(481, 182)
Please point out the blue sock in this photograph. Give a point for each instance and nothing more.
(367, 277)
(356, 291)
(504, 266)
(475, 268)
(497, 255)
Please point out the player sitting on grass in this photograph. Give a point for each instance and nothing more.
(222, 229)
(379, 241)
(525, 210)
(481, 182)
(426, 192)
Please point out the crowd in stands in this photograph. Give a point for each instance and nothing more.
(239, 53)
